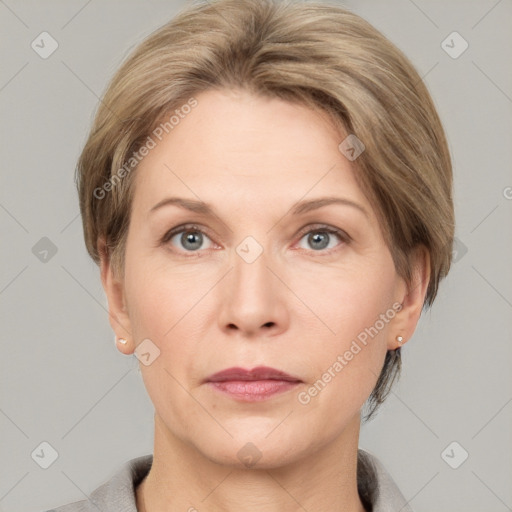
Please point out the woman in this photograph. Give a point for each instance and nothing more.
(267, 190)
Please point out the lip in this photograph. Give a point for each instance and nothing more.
(254, 385)
(258, 373)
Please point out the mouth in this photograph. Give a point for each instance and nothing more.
(254, 385)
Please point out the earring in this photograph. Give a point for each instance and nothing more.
(121, 340)
(400, 340)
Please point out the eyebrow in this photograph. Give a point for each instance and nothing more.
(301, 207)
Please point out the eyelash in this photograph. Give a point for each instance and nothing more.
(323, 228)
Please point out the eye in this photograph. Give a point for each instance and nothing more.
(322, 237)
(188, 239)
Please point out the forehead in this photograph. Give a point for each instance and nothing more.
(235, 145)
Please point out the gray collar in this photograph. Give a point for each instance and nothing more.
(378, 491)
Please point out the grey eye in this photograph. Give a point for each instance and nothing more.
(189, 240)
(319, 239)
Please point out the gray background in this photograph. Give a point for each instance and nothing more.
(63, 381)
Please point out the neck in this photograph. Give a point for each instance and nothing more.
(181, 478)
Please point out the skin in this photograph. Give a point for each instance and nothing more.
(296, 308)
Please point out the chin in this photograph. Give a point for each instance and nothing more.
(257, 451)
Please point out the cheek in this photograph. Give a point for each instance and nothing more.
(356, 311)
(346, 299)
(159, 296)
(171, 306)
(164, 307)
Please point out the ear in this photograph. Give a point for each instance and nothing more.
(412, 298)
(114, 290)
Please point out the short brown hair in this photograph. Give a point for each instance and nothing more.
(312, 53)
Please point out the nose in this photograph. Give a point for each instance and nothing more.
(253, 300)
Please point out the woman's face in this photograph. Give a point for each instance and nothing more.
(271, 257)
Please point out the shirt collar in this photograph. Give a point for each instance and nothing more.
(376, 487)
